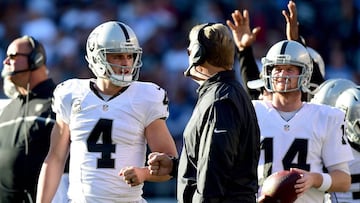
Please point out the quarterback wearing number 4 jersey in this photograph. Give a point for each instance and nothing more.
(94, 123)
(106, 124)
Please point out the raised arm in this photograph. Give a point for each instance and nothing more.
(292, 33)
(292, 24)
(244, 37)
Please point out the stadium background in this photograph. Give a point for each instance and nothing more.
(332, 27)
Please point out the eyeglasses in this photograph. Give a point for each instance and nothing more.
(13, 56)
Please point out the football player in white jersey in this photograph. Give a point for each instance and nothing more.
(345, 95)
(349, 102)
(106, 124)
(297, 135)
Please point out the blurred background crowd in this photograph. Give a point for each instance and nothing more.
(332, 27)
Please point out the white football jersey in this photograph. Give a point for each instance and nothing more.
(314, 138)
(107, 136)
(353, 195)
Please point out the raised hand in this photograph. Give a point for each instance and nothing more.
(292, 24)
(240, 27)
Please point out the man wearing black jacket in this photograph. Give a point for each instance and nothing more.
(221, 140)
(26, 122)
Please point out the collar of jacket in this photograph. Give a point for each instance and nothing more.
(44, 90)
(221, 76)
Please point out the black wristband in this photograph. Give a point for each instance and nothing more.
(174, 170)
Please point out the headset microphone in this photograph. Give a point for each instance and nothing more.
(5, 73)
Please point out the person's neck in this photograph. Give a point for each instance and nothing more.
(22, 91)
(28, 87)
(287, 102)
(106, 87)
(210, 69)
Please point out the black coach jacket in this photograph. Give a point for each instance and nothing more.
(221, 147)
(25, 129)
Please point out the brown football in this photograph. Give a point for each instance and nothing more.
(279, 187)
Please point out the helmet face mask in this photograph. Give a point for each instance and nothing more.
(272, 77)
(113, 37)
(287, 53)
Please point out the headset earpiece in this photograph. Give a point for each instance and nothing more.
(198, 52)
(37, 56)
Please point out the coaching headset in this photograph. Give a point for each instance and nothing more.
(37, 56)
(198, 52)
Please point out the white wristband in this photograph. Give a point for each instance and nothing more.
(326, 183)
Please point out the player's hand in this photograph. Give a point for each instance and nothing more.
(240, 27)
(132, 175)
(292, 25)
(304, 183)
(160, 164)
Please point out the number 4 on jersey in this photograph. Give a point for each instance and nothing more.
(102, 130)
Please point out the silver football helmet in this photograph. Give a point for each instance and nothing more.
(317, 59)
(288, 52)
(349, 102)
(329, 91)
(113, 37)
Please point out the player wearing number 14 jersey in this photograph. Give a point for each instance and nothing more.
(106, 124)
(295, 135)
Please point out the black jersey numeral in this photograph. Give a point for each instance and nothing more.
(102, 131)
(299, 149)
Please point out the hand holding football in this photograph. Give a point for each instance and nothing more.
(279, 187)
